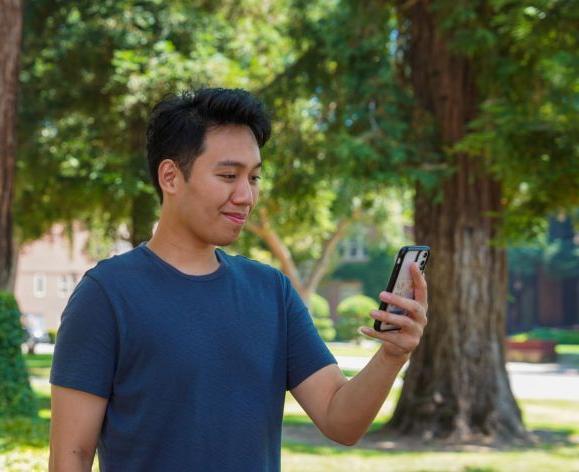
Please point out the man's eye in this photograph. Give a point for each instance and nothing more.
(228, 176)
(255, 178)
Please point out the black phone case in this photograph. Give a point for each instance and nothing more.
(394, 278)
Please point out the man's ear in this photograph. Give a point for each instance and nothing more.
(169, 176)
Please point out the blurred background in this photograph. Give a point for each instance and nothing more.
(447, 123)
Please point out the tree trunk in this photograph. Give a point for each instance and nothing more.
(456, 387)
(10, 38)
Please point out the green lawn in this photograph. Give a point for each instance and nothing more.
(24, 443)
(349, 349)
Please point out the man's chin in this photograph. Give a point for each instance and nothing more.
(225, 241)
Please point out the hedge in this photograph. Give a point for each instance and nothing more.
(320, 310)
(16, 395)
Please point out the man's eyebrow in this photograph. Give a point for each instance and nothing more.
(235, 164)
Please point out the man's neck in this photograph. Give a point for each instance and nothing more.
(182, 254)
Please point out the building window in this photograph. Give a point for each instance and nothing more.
(354, 249)
(64, 285)
(39, 285)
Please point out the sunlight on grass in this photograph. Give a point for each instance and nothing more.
(367, 349)
(298, 458)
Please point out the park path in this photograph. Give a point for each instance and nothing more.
(529, 381)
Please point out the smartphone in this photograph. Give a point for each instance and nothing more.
(400, 282)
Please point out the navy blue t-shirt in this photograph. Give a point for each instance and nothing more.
(195, 368)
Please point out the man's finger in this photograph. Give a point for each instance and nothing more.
(411, 306)
(400, 321)
(420, 286)
(394, 339)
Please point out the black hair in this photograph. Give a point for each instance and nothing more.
(179, 123)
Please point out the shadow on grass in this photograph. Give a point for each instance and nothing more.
(301, 435)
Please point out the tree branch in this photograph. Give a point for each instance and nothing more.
(323, 262)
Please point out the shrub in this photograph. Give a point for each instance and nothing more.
(354, 312)
(16, 395)
(320, 310)
(560, 336)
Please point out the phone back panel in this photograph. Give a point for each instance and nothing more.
(400, 282)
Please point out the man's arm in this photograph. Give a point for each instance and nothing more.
(343, 410)
(75, 427)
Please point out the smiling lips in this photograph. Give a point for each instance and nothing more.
(237, 218)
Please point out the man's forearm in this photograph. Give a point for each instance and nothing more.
(355, 405)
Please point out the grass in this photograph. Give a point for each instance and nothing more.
(38, 364)
(24, 442)
(303, 457)
(348, 349)
(557, 419)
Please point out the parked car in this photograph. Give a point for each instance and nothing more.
(34, 331)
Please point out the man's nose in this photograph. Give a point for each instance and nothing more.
(243, 193)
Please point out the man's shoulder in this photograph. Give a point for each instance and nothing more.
(248, 265)
(119, 265)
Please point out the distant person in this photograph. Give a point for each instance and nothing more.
(176, 356)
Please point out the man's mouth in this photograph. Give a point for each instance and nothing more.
(237, 218)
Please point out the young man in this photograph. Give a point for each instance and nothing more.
(176, 356)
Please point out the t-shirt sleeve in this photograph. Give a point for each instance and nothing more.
(306, 351)
(85, 353)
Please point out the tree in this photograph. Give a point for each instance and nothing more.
(83, 156)
(84, 147)
(10, 37)
(478, 115)
(470, 73)
(456, 385)
(329, 170)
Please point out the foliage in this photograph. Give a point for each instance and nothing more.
(52, 335)
(82, 153)
(526, 60)
(353, 312)
(320, 310)
(16, 396)
(524, 260)
(561, 336)
(82, 146)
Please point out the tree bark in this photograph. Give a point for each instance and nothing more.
(10, 39)
(456, 387)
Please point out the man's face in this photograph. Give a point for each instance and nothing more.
(222, 190)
